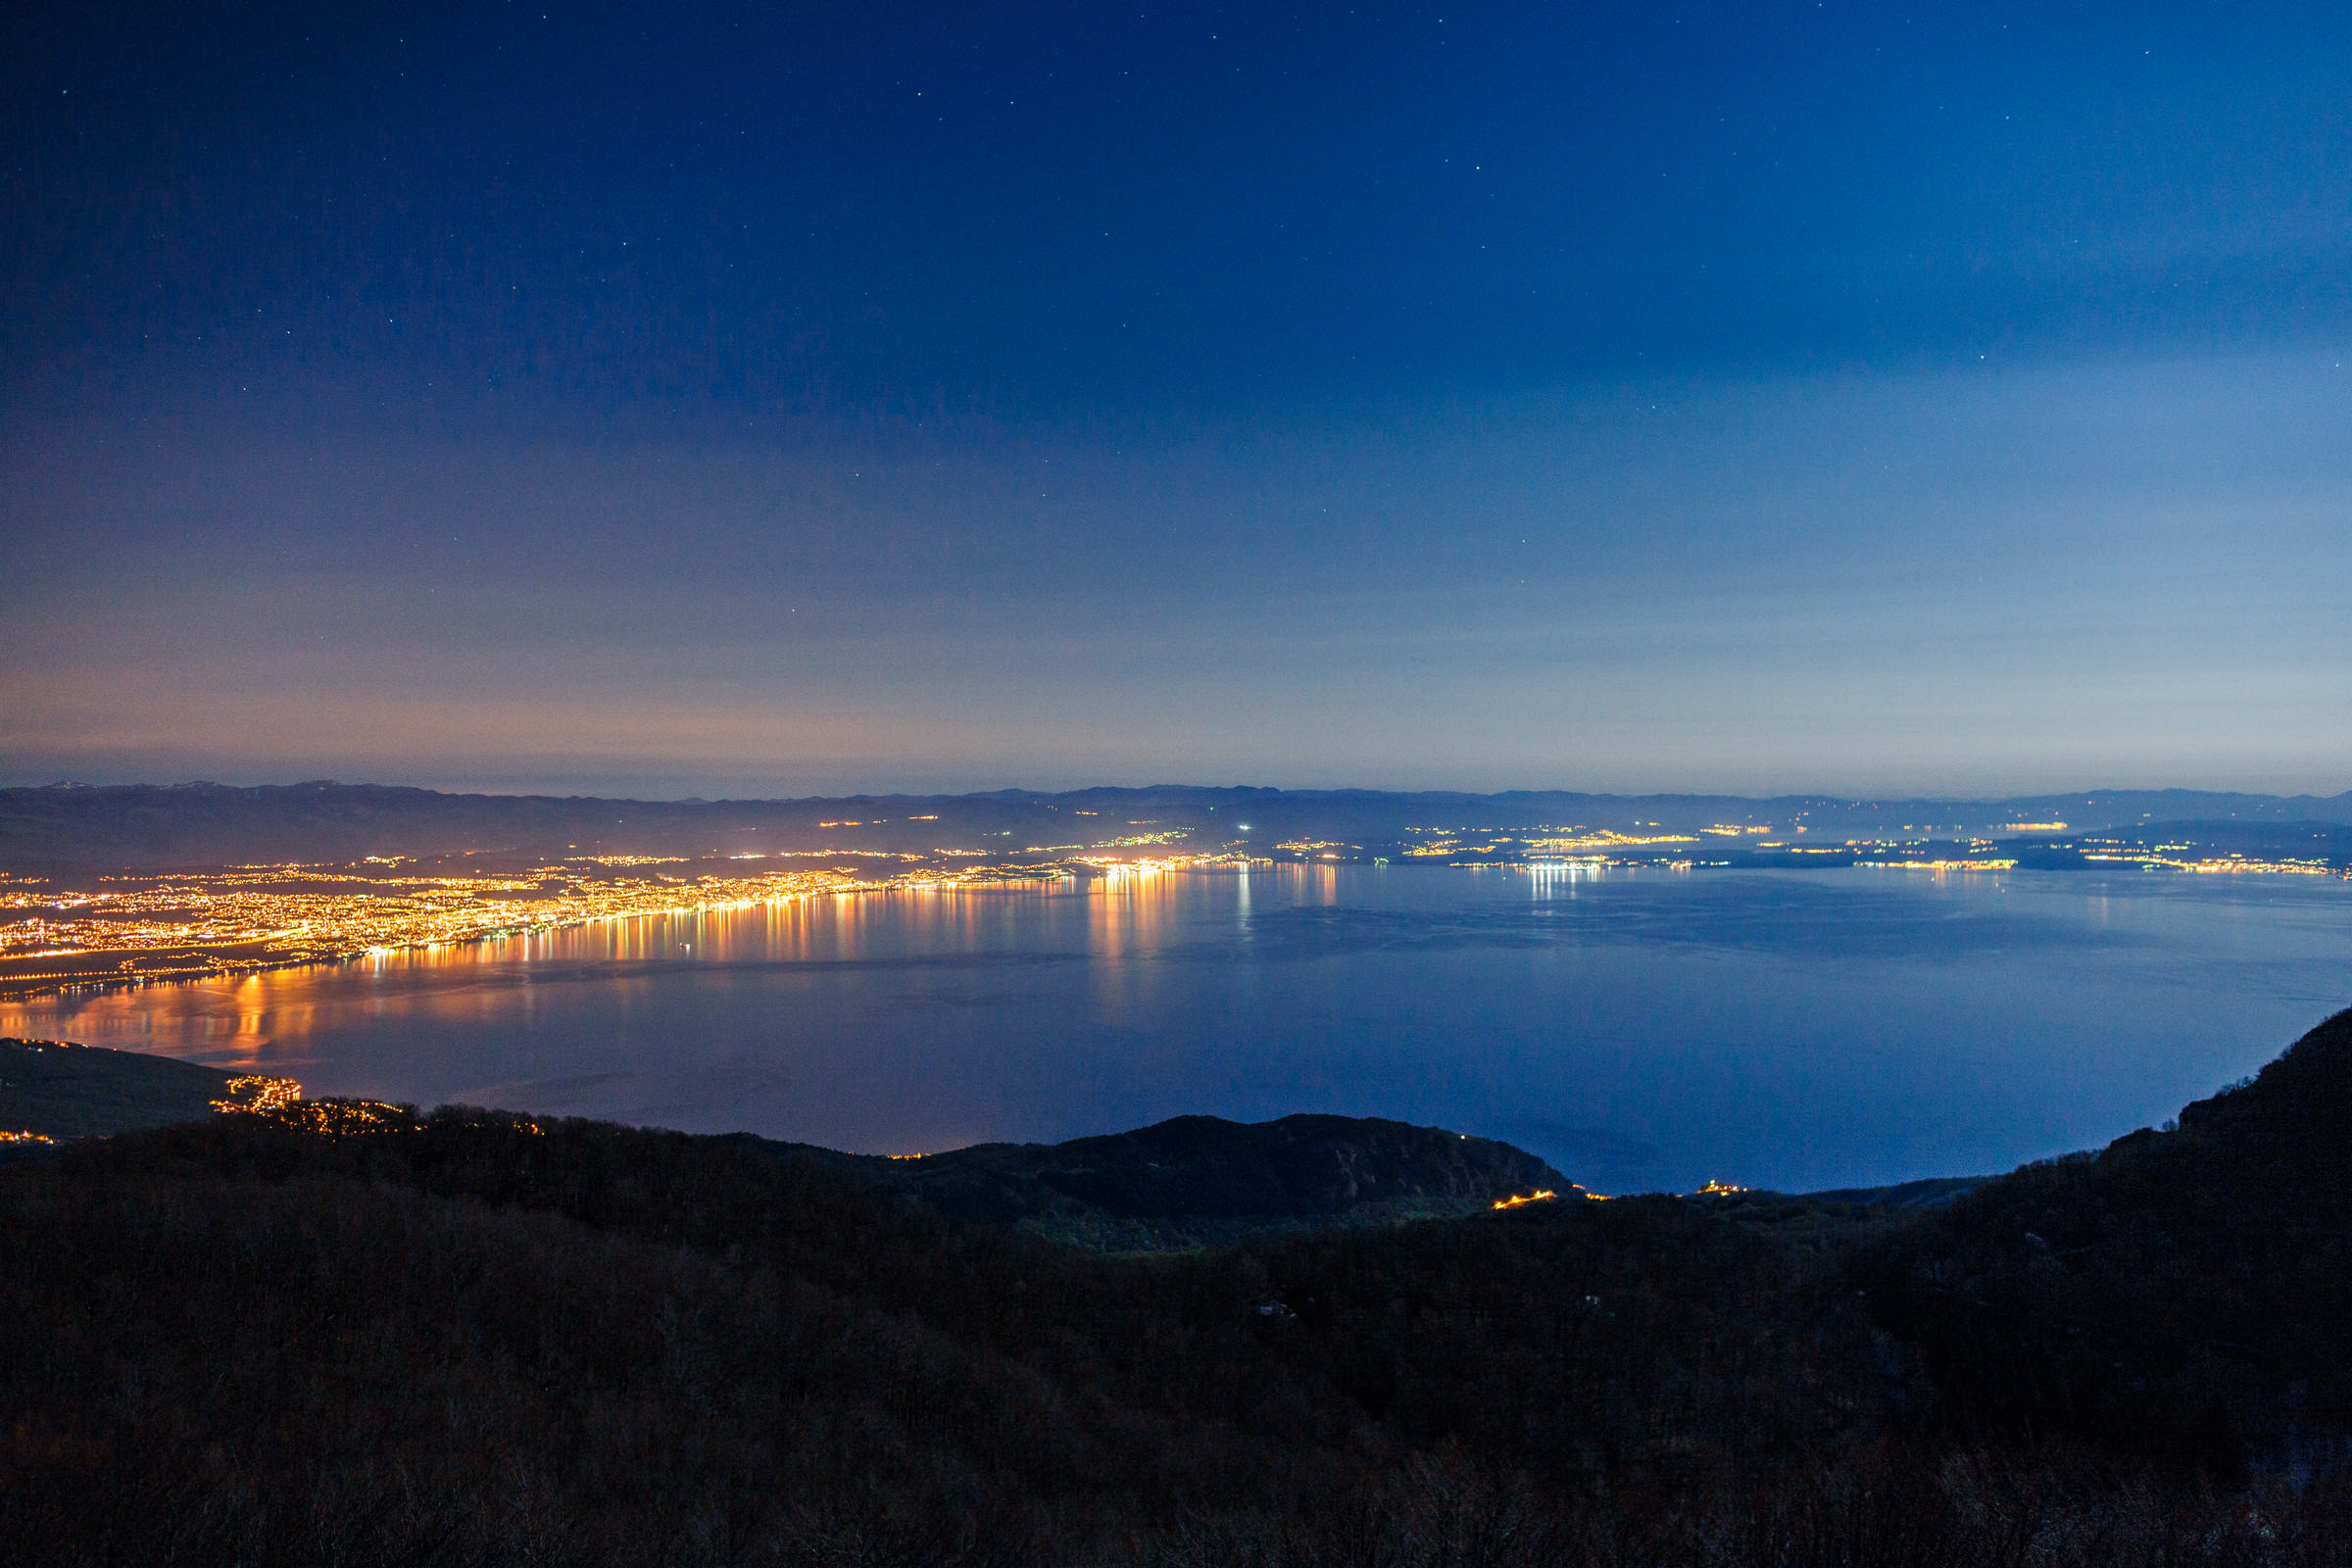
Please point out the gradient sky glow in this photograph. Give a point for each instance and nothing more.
(761, 401)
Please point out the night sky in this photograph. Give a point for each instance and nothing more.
(735, 399)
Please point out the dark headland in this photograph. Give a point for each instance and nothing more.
(52, 1090)
(341, 1331)
(1180, 1183)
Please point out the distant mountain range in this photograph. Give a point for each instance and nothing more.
(153, 826)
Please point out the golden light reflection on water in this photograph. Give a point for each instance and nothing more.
(1131, 914)
(928, 1016)
(1123, 919)
(271, 1016)
(1558, 879)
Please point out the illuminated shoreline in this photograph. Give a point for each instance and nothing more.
(138, 929)
(243, 930)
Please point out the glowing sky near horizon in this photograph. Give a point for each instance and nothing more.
(1827, 397)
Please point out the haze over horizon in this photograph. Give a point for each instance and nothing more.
(2102, 795)
(1832, 399)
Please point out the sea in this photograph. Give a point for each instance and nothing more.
(1644, 1029)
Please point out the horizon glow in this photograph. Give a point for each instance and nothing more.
(896, 405)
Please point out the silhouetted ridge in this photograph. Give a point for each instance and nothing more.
(2302, 1100)
(1300, 1167)
(2184, 1294)
(1182, 1183)
(336, 1331)
(61, 1089)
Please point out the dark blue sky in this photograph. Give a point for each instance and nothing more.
(765, 399)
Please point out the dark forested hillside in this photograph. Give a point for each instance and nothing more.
(2184, 1294)
(1200, 1179)
(56, 1089)
(345, 1333)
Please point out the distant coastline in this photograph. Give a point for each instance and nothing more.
(103, 888)
(165, 827)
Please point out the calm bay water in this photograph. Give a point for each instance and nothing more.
(1641, 1029)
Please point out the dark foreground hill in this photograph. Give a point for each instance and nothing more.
(1197, 1179)
(2185, 1293)
(350, 1334)
(56, 1089)
(1182, 1183)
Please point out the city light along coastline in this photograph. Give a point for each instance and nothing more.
(141, 929)
(138, 928)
